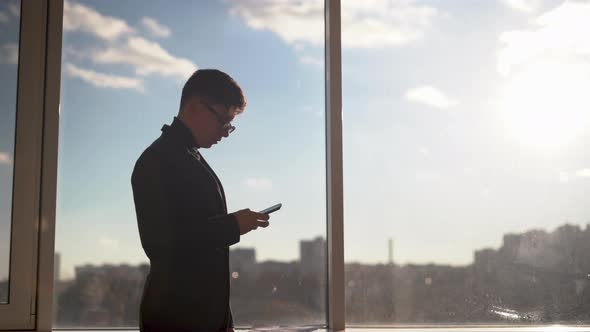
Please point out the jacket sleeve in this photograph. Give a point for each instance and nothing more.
(171, 214)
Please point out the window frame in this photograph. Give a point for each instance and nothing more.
(20, 312)
(49, 170)
(47, 175)
(334, 171)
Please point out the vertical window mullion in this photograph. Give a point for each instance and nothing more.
(336, 312)
(49, 166)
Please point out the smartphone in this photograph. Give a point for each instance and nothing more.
(271, 209)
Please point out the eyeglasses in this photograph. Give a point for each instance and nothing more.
(224, 125)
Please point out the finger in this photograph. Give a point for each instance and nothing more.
(263, 224)
(261, 216)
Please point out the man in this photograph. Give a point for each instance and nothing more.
(181, 210)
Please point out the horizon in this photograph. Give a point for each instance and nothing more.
(393, 262)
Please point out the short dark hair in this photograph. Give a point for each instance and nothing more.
(215, 86)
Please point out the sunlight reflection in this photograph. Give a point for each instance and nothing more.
(546, 104)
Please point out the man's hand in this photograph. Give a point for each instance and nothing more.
(250, 220)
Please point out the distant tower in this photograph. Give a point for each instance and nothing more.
(392, 298)
(312, 257)
(390, 251)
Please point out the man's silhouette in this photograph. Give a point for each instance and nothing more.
(181, 210)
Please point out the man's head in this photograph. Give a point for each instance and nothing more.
(210, 100)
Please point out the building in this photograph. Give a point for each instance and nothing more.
(313, 258)
(243, 262)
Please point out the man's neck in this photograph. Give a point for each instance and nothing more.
(185, 122)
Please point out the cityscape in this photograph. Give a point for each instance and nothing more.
(536, 277)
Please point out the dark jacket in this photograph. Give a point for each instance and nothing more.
(185, 231)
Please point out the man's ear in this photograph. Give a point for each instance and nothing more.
(187, 109)
(190, 106)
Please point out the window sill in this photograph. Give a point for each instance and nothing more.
(548, 328)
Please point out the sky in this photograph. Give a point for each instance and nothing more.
(462, 120)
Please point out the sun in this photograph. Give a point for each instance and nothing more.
(547, 105)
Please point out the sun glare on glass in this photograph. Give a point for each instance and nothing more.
(546, 105)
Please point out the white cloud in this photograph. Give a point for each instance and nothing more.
(258, 183)
(104, 80)
(4, 18)
(155, 28)
(293, 21)
(83, 18)
(146, 57)
(523, 5)
(583, 173)
(429, 96)
(9, 53)
(5, 158)
(546, 69)
(365, 24)
(558, 36)
(121, 45)
(383, 23)
(310, 60)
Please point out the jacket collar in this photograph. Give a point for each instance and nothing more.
(180, 133)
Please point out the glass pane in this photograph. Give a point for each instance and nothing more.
(466, 130)
(9, 41)
(123, 72)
